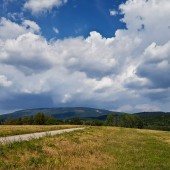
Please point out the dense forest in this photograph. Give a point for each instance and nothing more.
(124, 120)
(155, 120)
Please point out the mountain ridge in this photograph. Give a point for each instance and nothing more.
(82, 112)
(60, 112)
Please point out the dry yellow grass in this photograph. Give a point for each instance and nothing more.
(9, 130)
(80, 150)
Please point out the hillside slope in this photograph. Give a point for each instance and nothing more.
(155, 120)
(60, 113)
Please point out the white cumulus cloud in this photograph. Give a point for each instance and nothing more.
(128, 72)
(39, 6)
(11, 30)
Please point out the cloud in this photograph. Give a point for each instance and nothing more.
(127, 72)
(4, 82)
(56, 30)
(156, 65)
(27, 52)
(139, 108)
(104, 83)
(31, 25)
(39, 6)
(142, 13)
(113, 12)
(15, 16)
(11, 30)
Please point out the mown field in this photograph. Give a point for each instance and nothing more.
(9, 130)
(100, 148)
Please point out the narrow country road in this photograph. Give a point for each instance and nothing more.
(11, 139)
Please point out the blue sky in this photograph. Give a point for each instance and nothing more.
(96, 53)
(75, 18)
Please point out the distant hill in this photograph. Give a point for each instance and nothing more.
(152, 114)
(61, 113)
(155, 120)
(151, 120)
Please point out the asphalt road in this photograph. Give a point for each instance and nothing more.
(26, 137)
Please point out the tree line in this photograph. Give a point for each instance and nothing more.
(122, 120)
(38, 119)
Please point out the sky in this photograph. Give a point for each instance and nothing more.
(110, 54)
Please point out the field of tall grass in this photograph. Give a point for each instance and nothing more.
(102, 148)
(9, 130)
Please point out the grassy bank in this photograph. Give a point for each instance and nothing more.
(93, 148)
(9, 130)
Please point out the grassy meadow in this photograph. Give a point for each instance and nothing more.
(102, 148)
(9, 130)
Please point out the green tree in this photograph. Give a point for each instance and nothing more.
(10, 121)
(97, 123)
(39, 118)
(49, 120)
(25, 120)
(1, 121)
(130, 121)
(139, 122)
(126, 120)
(76, 121)
(19, 122)
(110, 120)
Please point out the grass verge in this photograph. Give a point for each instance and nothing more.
(10, 130)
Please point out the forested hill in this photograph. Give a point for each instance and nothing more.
(82, 112)
(151, 120)
(60, 113)
(155, 120)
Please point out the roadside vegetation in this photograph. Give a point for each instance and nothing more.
(93, 148)
(9, 130)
